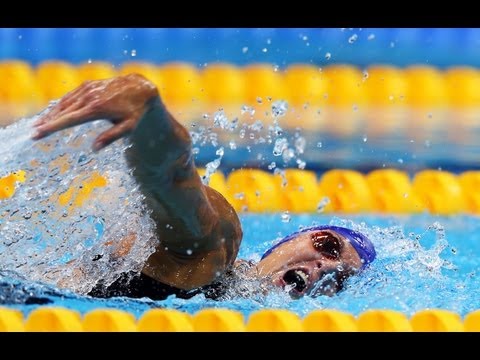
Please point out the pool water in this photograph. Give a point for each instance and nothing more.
(423, 261)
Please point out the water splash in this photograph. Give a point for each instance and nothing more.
(79, 217)
(392, 281)
(212, 166)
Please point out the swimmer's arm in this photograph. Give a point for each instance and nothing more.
(199, 230)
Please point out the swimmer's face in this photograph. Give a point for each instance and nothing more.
(314, 263)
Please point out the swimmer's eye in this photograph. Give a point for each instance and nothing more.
(327, 244)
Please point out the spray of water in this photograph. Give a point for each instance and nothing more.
(408, 275)
(79, 217)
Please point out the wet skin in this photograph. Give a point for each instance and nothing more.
(303, 262)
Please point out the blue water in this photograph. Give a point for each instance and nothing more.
(423, 262)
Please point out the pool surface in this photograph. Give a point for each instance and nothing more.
(423, 262)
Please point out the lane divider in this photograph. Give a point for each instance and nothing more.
(300, 191)
(193, 90)
(349, 191)
(226, 320)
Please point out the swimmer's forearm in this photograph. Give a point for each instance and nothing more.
(164, 166)
(158, 140)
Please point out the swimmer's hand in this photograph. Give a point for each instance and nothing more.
(122, 100)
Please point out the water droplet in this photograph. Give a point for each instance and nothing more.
(134, 52)
(220, 152)
(392, 44)
(195, 150)
(371, 37)
(272, 165)
(319, 144)
(89, 61)
(232, 145)
(27, 215)
(301, 164)
(391, 98)
(240, 196)
(328, 56)
(280, 146)
(400, 161)
(279, 108)
(354, 107)
(321, 205)
(365, 138)
(281, 172)
(288, 155)
(269, 41)
(300, 144)
(405, 195)
(264, 50)
(257, 126)
(305, 38)
(259, 100)
(248, 109)
(206, 116)
(82, 158)
(286, 216)
(220, 119)
(244, 49)
(276, 68)
(427, 143)
(365, 75)
(352, 38)
(20, 37)
(189, 252)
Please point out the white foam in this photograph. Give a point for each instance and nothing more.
(41, 239)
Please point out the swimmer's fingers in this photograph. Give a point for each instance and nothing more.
(59, 111)
(114, 133)
(70, 101)
(65, 121)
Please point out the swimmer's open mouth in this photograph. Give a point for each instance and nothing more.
(297, 278)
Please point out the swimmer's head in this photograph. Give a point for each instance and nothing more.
(316, 260)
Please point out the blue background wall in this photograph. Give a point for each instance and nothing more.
(283, 46)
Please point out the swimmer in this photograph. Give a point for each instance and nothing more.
(200, 231)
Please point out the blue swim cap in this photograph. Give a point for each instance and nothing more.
(360, 242)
